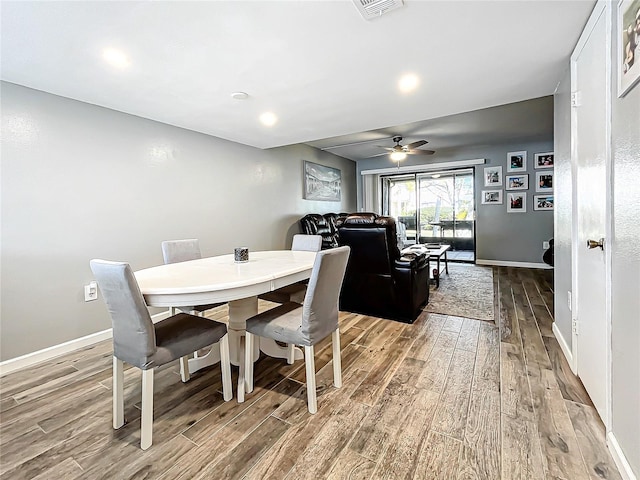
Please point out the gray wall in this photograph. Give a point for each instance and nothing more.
(501, 236)
(80, 181)
(563, 206)
(625, 286)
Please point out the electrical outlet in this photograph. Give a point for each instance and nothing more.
(545, 245)
(91, 292)
(569, 299)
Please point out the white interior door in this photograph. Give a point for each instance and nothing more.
(590, 149)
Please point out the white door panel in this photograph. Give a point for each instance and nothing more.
(590, 157)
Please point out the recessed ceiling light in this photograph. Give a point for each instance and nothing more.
(239, 95)
(115, 58)
(408, 83)
(269, 119)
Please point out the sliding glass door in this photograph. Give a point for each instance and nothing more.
(435, 207)
(399, 201)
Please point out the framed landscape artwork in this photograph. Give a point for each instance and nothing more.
(544, 181)
(517, 161)
(543, 202)
(628, 63)
(516, 202)
(322, 182)
(543, 160)
(493, 176)
(517, 182)
(492, 197)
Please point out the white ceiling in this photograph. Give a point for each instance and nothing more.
(324, 70)
(529, 120)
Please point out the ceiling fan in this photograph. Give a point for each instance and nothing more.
(400, 152)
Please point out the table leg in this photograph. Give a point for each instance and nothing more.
(446, 263)
(239, 311)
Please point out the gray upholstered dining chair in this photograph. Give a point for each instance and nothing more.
(174, 251)
(305, 324)
(143, 344)
(296, 291)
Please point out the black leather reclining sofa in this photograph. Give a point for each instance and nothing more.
(323, 225)
(379, 281)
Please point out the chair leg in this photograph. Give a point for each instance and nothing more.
(248, 362)
(118, 393)
(184, 369)
(146, 430)
(310, 365)
(241, 373)
(291, 351)
(225, 366)
(337, 361)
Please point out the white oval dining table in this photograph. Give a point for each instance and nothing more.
(221, 279)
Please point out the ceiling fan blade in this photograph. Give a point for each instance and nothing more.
(417, 144)
(355, 143)
(421, 152)
(377, 155)
(386, 148)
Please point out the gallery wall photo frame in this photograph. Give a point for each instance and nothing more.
(543, 202)
(517, 182)
(322, 182)
(493, 176)
(543, 160)
(627, 64)
(491, 197)
(516, 202)
(544, 181)
(517, 161)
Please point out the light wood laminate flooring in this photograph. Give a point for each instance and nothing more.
(444, 398)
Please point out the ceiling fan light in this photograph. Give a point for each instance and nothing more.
(398, 156)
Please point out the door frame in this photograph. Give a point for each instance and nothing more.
(602, 7)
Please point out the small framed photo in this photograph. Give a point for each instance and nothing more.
(517, 161)
(543, 160)
(493, 176)
(628, 63)
(543, 202)
(544, 181)
(516, 202)
(517, 182)
(492, 197)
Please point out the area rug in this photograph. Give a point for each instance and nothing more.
(467, 291)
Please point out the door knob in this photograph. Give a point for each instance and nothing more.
(596, 243)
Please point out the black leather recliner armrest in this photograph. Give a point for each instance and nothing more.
(412, 260)
(411, 277)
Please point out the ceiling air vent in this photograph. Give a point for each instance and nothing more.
(370, 9)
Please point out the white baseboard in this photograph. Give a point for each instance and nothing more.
(504, 263)
(48, 353)
(621, 461)
(30, 359)
(564, 346)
